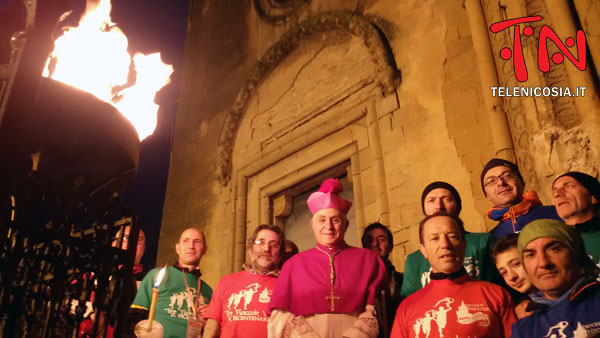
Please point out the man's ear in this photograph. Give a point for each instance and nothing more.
(347, 223)
(177, 248)
(487, 197)
(422, 249)
(204, 249)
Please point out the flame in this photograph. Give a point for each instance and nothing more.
(160, 276)
(93, 57)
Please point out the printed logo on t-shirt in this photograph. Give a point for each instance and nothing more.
(438, 317)
(466, 317)
(557, 331)
(581, 331)
(181, 305)
(471, 266)
(243, 305)
(425, 277)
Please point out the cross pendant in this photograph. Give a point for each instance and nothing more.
(332, 298)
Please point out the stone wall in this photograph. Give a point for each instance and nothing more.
(273, 96)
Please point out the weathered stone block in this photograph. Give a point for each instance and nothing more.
(388, 104)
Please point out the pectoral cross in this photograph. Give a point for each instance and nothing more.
(332, 298)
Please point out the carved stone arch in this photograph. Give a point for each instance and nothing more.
(387, 75)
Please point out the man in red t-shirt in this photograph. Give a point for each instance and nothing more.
(453, 303)
(238, 305)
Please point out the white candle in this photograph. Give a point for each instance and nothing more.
(159, 278)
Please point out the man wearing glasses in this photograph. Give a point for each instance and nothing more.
(503, 185)
(238, 305)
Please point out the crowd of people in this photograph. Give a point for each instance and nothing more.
(535, 274)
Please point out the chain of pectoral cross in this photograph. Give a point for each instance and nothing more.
(331, 297)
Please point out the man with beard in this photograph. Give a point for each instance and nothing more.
(455, 303)
(503, 185)
(240, 300)
(577, 201)
(329, 290)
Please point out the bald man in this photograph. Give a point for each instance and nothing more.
(182, 294)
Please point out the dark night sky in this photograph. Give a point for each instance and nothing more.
(152, 26)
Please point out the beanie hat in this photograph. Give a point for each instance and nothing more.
(442, 185)
(497, 162)
(327, 197)
(562, 232)
(591, 184)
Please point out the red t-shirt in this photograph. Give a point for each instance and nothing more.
(239, 304)
(463, 307)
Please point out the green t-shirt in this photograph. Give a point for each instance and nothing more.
(591, 240)
(477, 263)
(173, 305)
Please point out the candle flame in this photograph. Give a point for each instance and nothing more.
(159, 278)
(93, 57)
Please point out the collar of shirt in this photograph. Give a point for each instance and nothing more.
(453, 275)
(248, 268)
(333, 249)
(196, 271)
(592, 224)
(539, 298)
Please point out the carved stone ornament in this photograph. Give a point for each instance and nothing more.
(519, 128)
(387, 74)
(277, 11)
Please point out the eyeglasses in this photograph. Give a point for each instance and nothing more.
(505, 176)
(271, 244)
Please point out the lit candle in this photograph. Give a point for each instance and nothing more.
(161, 273)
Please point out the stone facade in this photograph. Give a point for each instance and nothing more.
(395, 94)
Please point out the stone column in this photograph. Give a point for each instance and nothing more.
(589, 16)
(564, 25)
(239, 230)
(358, 205)
(375, 147)
(501, 136)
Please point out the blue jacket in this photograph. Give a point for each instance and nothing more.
(538, 212)
(579, 316)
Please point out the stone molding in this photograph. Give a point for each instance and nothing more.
(387, 75)
(564, 107)
(559, 118)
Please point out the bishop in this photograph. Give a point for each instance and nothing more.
(329, 290)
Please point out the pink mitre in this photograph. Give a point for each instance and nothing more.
(327, 197)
